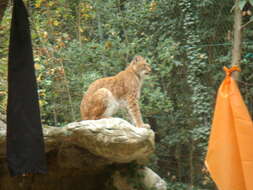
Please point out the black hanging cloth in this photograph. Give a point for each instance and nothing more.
(25, 145)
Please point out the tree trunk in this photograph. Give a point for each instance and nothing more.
(191, 153)
(236, 52)
(3, 6)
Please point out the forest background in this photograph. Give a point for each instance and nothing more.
(187, 44)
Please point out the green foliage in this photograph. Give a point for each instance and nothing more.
(180, 186)
(132, 172)
(242, 3)
(4, 39)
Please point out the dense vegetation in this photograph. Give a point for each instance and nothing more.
(186, 42)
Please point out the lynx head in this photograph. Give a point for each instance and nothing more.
(140, 66)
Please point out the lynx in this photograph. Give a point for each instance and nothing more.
(106, 96)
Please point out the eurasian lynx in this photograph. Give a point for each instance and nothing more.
(105, 96)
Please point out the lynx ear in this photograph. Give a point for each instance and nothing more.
(136, 59)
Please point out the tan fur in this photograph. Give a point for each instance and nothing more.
(105, 96)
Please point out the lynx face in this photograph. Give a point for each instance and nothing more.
(141, 66)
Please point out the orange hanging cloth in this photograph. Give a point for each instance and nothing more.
(230, 151)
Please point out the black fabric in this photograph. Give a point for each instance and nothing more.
(25, 146)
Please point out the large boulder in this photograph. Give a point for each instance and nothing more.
(82, 155)
(146, 179)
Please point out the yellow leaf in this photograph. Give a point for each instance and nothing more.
(39, 77)
(42, 93)
(42, 102)
(2, 93)
(37, 5)
(56, 23)
(51, 3)
(37, 66)
(108, 44)
(45, 34)
(153, 5)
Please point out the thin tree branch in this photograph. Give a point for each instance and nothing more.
(236, 52)
(246, 24)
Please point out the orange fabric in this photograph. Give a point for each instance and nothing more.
(230, 151)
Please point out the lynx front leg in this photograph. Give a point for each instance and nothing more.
(134, 112)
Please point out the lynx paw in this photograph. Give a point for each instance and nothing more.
(145, 125)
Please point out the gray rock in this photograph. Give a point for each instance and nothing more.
(80, 154)
(150, 180)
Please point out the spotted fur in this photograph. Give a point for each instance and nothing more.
(107, 95)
